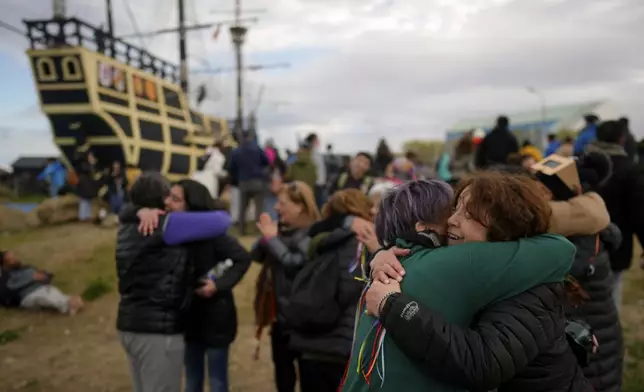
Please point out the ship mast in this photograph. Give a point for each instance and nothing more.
(183, 51)
(60, 9)
(238, 33)
(110, 21)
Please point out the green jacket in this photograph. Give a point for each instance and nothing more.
(457, 282)
(303, 169)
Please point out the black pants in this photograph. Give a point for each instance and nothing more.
(283, 360)
(320, 376)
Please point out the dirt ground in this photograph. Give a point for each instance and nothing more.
(56, 353)
(67, 354)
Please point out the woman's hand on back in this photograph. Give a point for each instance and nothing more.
(149, 220)
(386, 266)
(377, 294)
(362, 227)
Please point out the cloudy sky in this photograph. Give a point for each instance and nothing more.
(365, 69)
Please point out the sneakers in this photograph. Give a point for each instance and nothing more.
(75, 304)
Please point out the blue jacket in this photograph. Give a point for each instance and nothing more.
(442, 167)
(248, 163)
(587, 135)
(552, 148)
(55, 173)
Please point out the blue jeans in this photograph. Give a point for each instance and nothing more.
(84, 209)
(195, 361)
(53, 190)
(116, 202)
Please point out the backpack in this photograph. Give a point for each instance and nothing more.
(367, 181)
(313, 307)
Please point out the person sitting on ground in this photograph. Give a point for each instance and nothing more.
(29, 288)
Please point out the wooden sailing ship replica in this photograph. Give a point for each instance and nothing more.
(118, 100)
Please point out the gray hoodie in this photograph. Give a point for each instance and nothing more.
(22, 280)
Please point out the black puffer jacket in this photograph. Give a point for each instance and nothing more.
(593, 272)
(154, 282)
(624, 197)
(517, 344)
(340, 244)
(87, 187)
(278, 271)
(213, 321)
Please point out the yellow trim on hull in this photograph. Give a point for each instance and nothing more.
(62, 86)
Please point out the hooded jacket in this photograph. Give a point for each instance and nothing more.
(623, 194)
(303, 169)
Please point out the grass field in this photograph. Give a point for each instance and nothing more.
(54, 353)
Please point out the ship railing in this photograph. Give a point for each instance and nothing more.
(55, 33)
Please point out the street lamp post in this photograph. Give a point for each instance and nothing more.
(542, 102)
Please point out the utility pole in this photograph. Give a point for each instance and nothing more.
(542, 102)
(183, 52)
(110, 21)
(238, 33)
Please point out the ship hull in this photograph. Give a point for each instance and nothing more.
(120, 113)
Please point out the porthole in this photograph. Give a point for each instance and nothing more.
(71, 69)
(46, 70)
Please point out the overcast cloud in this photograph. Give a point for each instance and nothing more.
(363, 69)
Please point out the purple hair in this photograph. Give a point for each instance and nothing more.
(427, 201)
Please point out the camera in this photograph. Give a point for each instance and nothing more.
(580, 338)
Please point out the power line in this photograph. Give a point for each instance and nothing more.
(135, 26)
(13, 29)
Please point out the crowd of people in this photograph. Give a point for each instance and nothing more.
(499, 268)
